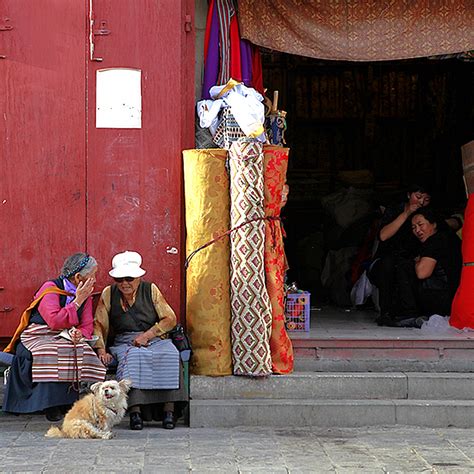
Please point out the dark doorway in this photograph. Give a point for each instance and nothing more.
(370, 127)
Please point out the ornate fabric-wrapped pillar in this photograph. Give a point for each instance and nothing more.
(275, 166)
(207, 200)
(250, 304)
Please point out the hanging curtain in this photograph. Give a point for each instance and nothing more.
(206, 186)
(275, 166)
(359, 30)
(211, 51)
(226, 55)
(250, 304)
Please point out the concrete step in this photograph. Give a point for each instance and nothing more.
(334, 399)
(330, 413)
(337, 386)
(337, 354)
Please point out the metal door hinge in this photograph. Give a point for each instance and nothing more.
(102, 31)
(5, 26)
(188, 24)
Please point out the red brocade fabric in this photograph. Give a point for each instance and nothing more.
(275, 166)
(359, 30)
(462, 309)
(257, 71)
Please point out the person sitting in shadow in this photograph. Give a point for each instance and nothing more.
(430, 283)
(397, 246)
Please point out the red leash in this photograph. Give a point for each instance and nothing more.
(228, 232)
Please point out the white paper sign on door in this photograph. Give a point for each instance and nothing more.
(118, 98)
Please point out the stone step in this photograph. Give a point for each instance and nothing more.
(330, 413)
(336, 354)
(336, 386)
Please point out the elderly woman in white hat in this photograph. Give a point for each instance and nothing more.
(132, 321)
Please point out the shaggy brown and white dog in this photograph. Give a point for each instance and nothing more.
(94, 415)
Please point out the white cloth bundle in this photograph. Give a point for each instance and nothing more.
(245, 104)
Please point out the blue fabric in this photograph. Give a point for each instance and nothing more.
(156, 366)
(24, 396)
(6, 358)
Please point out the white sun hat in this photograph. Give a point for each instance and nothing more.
(127, 264)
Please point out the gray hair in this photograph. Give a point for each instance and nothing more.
(78, 263)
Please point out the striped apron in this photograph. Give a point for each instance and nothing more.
(56, 359)
(153, 367)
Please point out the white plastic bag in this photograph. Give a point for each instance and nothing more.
(361, 290)
(438, 324)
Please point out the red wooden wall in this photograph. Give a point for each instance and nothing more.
(66, 186)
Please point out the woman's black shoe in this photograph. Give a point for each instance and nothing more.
(136, 422)
(168, 420)
(53, 413)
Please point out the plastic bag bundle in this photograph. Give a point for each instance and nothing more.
(438, 324)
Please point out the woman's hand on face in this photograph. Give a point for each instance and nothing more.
(412, 207)
(141, 340)
(84, 290)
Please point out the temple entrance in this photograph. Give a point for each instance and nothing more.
(359, 134)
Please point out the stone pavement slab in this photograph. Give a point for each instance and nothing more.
(394, 449)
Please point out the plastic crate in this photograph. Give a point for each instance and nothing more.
(297, 311)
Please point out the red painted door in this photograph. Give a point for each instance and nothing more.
(67, 186)
(42, 131)
(134, 176)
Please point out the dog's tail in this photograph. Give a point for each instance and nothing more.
(54, 432)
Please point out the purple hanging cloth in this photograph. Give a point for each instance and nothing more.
(211, 68)
(246, 60)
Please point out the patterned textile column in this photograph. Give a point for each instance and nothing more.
(250, 304)
(206, 185)
(275, 166)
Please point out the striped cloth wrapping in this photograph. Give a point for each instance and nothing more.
(54, 357)
(155, 367)
(225, 11)
(250, 305)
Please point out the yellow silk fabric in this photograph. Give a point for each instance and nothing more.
(206, 188)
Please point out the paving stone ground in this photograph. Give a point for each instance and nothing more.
(403, 449)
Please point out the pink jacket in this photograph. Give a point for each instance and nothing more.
(65, 318)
